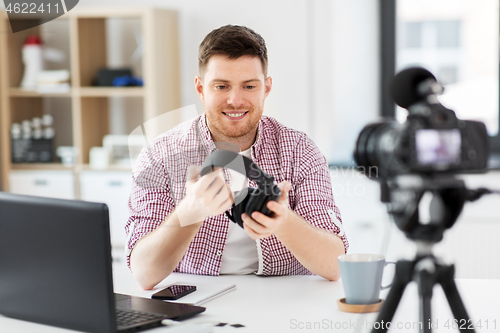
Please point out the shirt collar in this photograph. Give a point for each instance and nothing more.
(259, 141)
(204, 134)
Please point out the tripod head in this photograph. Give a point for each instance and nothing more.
(404, 193)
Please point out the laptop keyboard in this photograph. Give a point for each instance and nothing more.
(131, 317)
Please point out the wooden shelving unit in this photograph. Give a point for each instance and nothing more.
(108, 92)
(40, 166)
(89, 105)
(18, 92)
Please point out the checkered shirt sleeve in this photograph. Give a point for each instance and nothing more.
(150, 200)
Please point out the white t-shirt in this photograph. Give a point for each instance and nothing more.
(240, 253)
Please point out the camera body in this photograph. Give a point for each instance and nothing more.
(431, 141)
(421, 156)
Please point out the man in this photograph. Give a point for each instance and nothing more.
(178, 225)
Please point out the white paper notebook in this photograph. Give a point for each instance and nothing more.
(205, 292)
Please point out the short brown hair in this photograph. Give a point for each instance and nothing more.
(233, 41)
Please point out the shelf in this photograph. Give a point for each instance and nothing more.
(106, 12)
(60, 166)
(40, 166)
(84, 92)
(83, 114)
(111, 167)
(110, 91)
(19, 92)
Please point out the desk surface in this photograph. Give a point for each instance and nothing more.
(302, 304)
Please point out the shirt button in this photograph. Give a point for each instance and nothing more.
(219, 253)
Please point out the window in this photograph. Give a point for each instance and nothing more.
(458, 41)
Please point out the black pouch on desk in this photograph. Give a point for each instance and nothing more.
(105, 76)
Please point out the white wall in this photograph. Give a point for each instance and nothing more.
(355, 74)
(323, 57)
(282, 24)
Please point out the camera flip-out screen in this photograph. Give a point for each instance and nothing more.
(438, 146)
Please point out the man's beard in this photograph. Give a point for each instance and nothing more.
(232, 131)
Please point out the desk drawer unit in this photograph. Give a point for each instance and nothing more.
(113, 189)
(54, 184)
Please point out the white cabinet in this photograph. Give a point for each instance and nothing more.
(364, 218)
(112, 188)
(54, 184)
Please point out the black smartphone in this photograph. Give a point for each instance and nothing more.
(174, 291)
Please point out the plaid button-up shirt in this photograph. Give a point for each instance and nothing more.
(159, 179)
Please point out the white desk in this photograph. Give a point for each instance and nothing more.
(301, 304)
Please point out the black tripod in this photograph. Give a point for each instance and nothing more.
(426, 272)
(449, 195)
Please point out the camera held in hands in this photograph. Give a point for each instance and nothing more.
(432, 140)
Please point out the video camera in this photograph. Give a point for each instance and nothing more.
(432, 140)
(422, 156)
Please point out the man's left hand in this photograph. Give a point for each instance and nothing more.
(261, 226)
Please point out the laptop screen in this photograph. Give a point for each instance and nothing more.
(55, 262)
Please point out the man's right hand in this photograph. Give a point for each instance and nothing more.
(157, 254)
(205, 196)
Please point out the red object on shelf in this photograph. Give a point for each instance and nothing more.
(33, 40)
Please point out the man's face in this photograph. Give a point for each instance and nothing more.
(233, 93)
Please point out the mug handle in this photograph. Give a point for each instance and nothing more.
(390, 284)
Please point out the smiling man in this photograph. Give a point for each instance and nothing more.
(180, 226)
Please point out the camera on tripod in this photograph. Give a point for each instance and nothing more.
(432, 140)
(420, 156)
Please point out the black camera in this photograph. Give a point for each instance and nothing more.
(420, 158)
(431, 141)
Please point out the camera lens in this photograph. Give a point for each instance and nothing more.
(376, 145)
